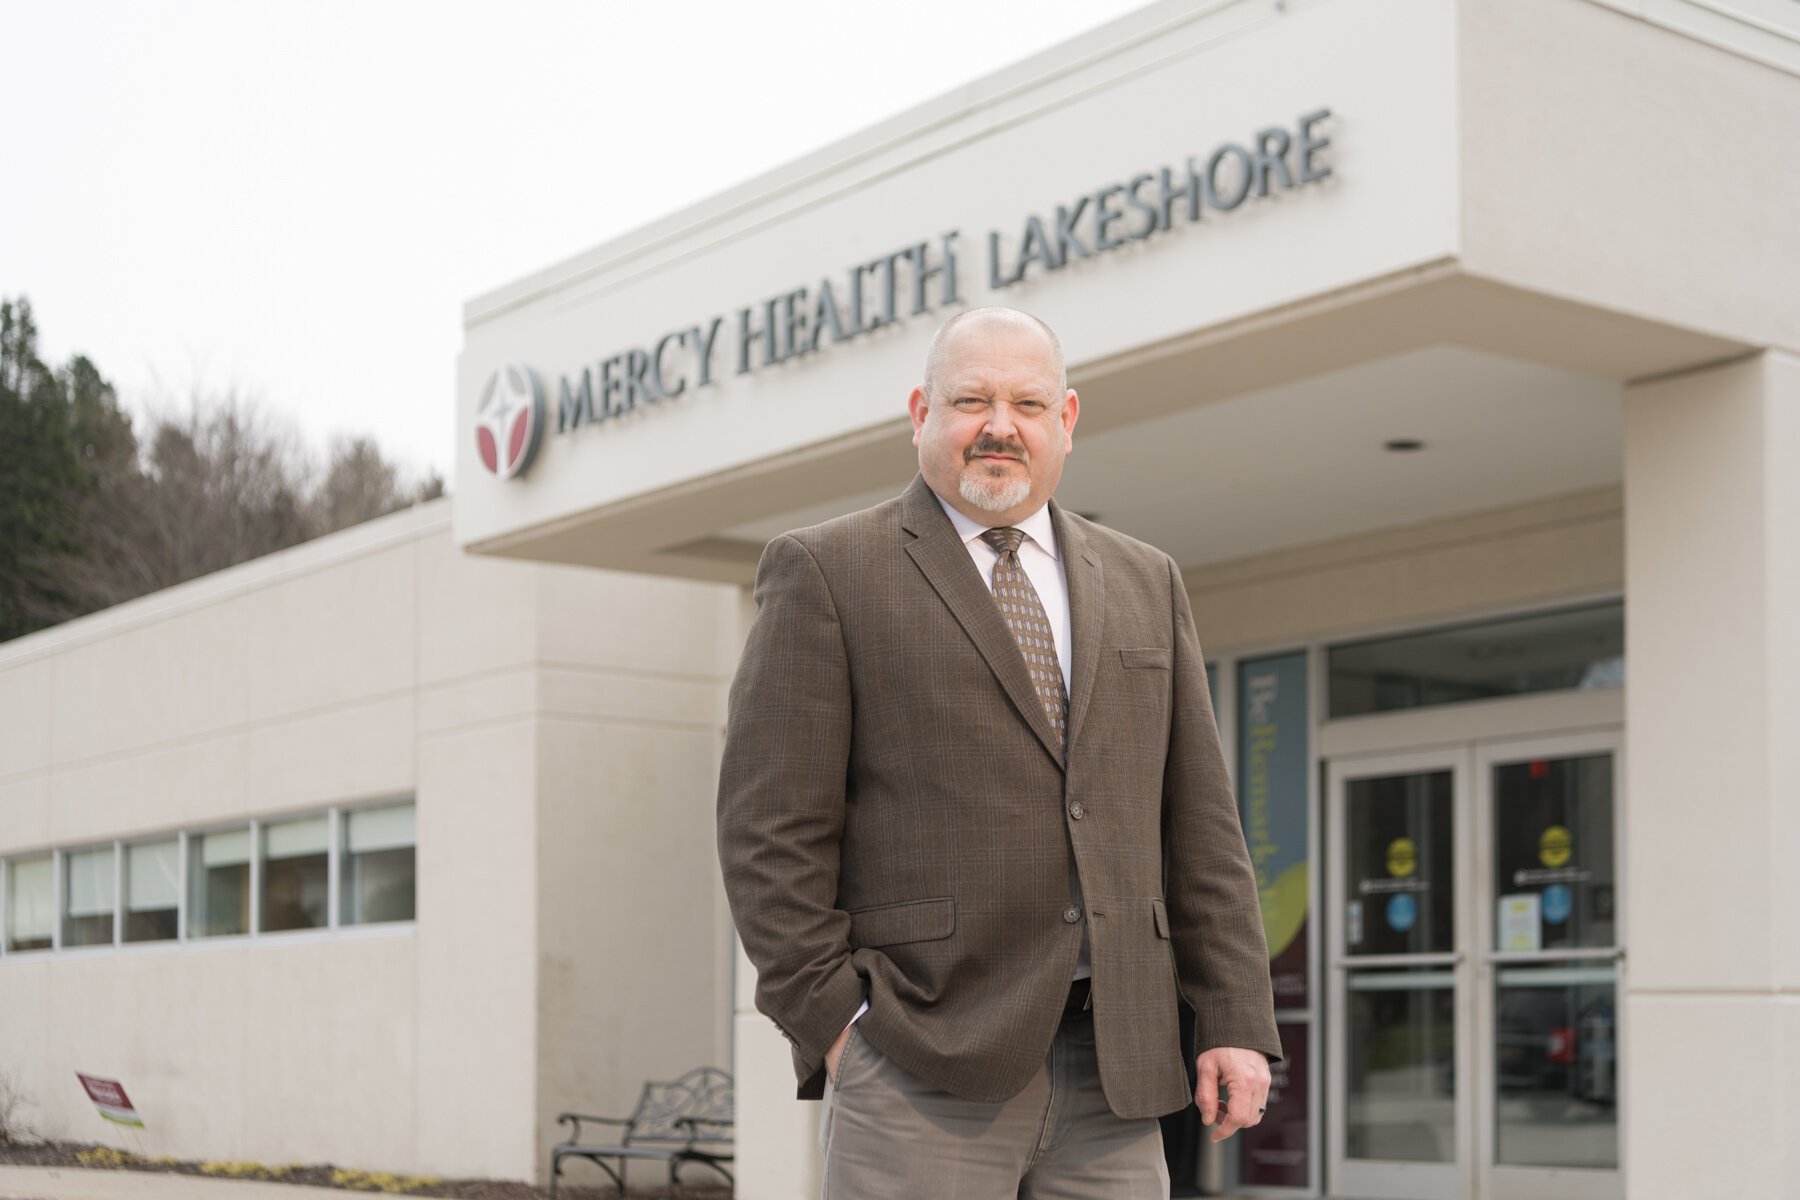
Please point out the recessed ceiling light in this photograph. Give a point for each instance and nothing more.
(1401, 445)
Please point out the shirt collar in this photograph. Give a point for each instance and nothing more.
(1037, 527)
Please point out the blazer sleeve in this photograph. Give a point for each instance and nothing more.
(781, 803)
(1215, 913)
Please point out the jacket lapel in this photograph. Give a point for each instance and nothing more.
(946, 564)
(1087, 613)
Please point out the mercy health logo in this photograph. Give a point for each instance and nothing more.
(509, 420)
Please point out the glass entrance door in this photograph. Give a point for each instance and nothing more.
(1548, 986)
(1475, 937)
(1399, 1011)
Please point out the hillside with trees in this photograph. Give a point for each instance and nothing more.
(95, 511)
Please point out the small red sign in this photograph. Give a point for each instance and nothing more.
(109, 1097)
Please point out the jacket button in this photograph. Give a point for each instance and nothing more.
(1076, 811)
(1071, 914)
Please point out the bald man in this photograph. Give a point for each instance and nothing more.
(974, 819)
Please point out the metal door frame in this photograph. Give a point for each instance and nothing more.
(1357, 1179)
(1553, 725)
(1540, 1183)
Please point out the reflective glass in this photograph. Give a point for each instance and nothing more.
(1399, 890)
(30, 903)
(295, 874)
(1556, 1066)
(88, 897)
(1553, 854)
(1401, 1048)
(378, 865)
(1572, 648)
(152, 889)
(219, 883)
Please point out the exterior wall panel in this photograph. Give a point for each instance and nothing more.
(1389, 207)
(1614, 161)
(1543, 552)
(558, 803)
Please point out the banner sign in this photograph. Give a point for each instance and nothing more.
(109, 1097)
(925, 274)
(929, 272)
(1277, 1151)
(1272, 801)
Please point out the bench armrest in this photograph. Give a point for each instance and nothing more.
(574, 1119)
(562, 1117)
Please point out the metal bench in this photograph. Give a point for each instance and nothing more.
(685, 1121)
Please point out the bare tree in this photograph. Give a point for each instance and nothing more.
(214, 485)
(358, 485)
(93, 512)
(215, 481)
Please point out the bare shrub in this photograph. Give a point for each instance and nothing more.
(13, 1102)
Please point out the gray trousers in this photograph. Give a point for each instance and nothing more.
(888, 1136)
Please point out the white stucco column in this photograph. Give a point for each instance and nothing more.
(1711, 1032)
(777, 1135)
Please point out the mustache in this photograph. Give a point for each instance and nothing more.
(988, 445)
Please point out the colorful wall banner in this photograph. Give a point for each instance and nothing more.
(1272, 801)
(1277, 1151)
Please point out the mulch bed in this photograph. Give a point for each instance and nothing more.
(81, 1156)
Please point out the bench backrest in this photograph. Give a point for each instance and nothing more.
(703, 1095)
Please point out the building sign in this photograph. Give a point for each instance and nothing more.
(109, 1097)
(910, 280)
(509, 420)
(1272, 799)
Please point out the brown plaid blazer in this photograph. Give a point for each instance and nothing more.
(894, 820)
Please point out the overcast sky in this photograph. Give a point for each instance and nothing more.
(295, 199)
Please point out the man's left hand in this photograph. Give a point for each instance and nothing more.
(1245, 1076)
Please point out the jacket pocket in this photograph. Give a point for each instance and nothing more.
(1144, 658)
(1159, 913)
(906, 921)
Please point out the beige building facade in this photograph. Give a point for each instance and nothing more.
(231, 755)
(1450, 347)
(1453, 349)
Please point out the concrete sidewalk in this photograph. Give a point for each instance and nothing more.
(80, 1183)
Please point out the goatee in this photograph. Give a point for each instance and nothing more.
(993, 495)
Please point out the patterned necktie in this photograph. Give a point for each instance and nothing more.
(1024, 614)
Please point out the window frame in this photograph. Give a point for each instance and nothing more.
(341, 849)
(63, 915)
(191, 861)
(260, 854)
(179, 839)
(187, 859)
(6, 868)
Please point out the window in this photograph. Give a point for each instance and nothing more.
(219, 883)
(378, 880)
(88, 897)
(152, 890)
(1572, 648)
(295, 874)
(30, 903)
(216, 883)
